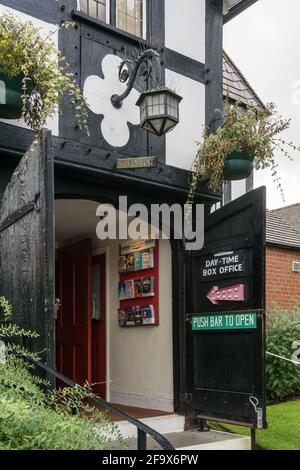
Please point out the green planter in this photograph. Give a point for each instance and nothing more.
(11, 97)
(238, 166)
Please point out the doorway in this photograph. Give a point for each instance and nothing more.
(80, 290)
(133, 365)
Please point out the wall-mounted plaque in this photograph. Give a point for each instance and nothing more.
(135, 163)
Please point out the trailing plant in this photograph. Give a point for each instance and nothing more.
(32, 415)
(44, 71)
(283, 333)
(11, 333)
(256, 131)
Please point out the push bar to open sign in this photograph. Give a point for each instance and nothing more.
(225, 321)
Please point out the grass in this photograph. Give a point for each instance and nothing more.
(284, 428)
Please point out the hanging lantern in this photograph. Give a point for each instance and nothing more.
(159, 110)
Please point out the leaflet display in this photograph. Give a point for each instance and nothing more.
(138, 284)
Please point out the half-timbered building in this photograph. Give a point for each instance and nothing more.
(49, 247)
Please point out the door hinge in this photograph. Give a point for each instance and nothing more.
(186, 397)
(19, 214)
(260, 315)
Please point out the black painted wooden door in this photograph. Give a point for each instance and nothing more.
(225, 367)
(27, 244)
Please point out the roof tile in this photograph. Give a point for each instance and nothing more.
(236, 87)
(279, 232)
(291, 214)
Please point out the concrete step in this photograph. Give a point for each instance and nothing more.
(195, 440)
(163, 424)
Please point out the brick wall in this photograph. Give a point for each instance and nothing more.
(282, 285)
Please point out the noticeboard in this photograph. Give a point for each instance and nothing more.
(138, 284)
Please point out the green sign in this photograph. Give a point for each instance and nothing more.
(226, 321)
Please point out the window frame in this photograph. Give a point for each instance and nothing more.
(107, 7)
(112, 17)
(144, 21)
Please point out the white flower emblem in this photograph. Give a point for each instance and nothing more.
(98, 92)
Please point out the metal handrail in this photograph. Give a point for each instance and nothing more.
(142, 428)
(291, 361)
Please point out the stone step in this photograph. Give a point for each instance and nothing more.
(163, 424)
(195, 440)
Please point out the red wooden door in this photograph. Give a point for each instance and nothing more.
(98, 326)
(74, 322)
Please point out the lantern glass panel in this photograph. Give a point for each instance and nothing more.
(157, 124)
(147, 127)
(159, 111)
(143, 110)
(161, 100)
(172, 106)
(156, 106)
(169, 125)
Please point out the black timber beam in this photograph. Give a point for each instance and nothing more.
(185, 66)
(214, 63)
(93, 161)
(45, 10)
(15, 140)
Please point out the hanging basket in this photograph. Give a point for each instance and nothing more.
(238, 166)
(11, 104)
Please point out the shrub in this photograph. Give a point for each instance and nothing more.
(283, 334)
(32, 416)
(46, 79)
(30, 426)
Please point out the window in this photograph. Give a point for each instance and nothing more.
(96, 8)
(128, 15)
(131, 16)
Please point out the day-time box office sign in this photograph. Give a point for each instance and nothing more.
(226, 317)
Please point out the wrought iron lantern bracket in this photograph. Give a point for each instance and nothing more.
(148, 64)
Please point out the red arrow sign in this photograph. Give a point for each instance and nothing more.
(227, 294)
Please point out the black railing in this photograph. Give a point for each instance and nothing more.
(142, 429)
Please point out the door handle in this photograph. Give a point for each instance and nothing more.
(95, 311)
(57, 305)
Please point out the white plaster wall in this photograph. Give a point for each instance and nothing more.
(141, 359)
(98, 92)
(238, 189)
(46, 29)
(182, 142)
(185, 27)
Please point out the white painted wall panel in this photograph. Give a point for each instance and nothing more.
(185, 27)
(182, 142)
(45, 29)
(141, 360)
(98, 92)
(238, 189)
(140, 366)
